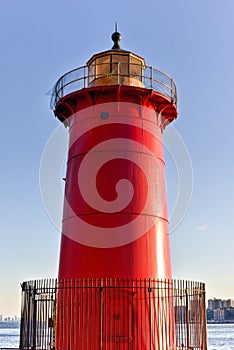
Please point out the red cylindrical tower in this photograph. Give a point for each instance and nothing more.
(115, 223)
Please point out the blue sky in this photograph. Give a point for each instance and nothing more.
(190, 40)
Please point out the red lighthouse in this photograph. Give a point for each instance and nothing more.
(115, 223)
(114, 290)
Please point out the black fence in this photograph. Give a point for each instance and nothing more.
(113, 314)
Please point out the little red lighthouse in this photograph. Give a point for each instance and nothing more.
(114, 289)
(115, 223)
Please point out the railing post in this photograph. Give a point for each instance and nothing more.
(151, 77)
(172, 90)
(85, 76)
(61, 88)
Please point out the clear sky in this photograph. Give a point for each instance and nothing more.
(193, 41)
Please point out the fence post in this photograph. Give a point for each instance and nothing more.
(187, 315)
(101, 312)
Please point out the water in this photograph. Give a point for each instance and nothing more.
(220, 336)
(9, 334)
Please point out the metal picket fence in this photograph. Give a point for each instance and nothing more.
(113, 314)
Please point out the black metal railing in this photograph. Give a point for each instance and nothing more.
(82, 77)
(113, 314)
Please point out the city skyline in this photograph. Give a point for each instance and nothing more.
(4, 318)
(192, 42)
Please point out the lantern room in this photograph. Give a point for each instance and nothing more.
(116, 67)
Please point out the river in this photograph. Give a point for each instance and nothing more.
(220, 336)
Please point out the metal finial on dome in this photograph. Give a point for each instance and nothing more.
(116, 37)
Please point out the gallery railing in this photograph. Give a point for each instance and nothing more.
(83, 77)
(113, 314)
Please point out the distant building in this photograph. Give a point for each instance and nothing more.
(7, 319)
(219, 315)
(220, 310)
(214, 304)
(1, 318)
(228, 303)
(229, 314)
(209, 315)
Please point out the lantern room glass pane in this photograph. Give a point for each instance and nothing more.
(136, 68)
(120, 64)
(102, 66)
(91, 73)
